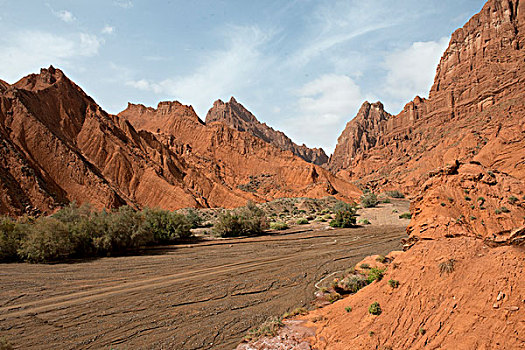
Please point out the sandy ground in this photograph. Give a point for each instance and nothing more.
(199, 296)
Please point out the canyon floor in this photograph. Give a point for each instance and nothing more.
(204, 295)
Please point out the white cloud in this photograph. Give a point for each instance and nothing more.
(27, 51)
(221, 74)
(107, 29)
(125, 4)
(65, 16)
(411, 71)
(324, 105)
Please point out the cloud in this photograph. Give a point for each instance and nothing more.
(125, 4)
(107, 29)
(65, 16)
(26, 52)
(223, 73)
(324, 105)
(411, 71)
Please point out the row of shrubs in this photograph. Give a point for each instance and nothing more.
(80, 232)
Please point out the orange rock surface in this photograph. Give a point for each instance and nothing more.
(59, 146)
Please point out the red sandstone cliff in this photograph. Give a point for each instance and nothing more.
(234, 115)
(461, 280)
(474, 111)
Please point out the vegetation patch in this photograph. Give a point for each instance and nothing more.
(369, 200)
(395, 194)
(393, 283)
(302, 221)
(248, 220)
(447, 266)
(375, 274)
(270, 328)
(279, 226)
(375, 309)
(405, 216)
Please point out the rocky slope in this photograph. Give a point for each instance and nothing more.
(58, 146)
(247, 165)
(234, 115)
(474, 111)
(461, 280)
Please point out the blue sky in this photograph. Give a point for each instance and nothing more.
(301, 66)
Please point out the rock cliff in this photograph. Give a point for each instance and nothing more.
(236, 116)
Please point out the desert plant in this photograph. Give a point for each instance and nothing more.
(278, 226)
(395, 194)
(375, 274)
(364, 266)
(467, 198)
(10, 239)
(348, 309)
(405, 216)
(333, 297)
(295, 312)
(504, 210)
(393, 283)
(491, 173)
(381, 258)
(369, 200)
(386, 200)
(302, 221)
(193, 218)
(422, 331)
(344, 219)
(447, 266)
(48, 239)
(161, 226)
(248, 220)
(443, 204)
(268, 329)
(354, 283)
(364, 222)
(513, 199)
(375, 309)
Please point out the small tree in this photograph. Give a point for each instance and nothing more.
(369, 200)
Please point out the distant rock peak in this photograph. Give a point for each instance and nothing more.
(236, 116)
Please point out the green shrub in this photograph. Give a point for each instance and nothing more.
(405, 216)
(348, 309)
(248, 220)
(302, 221)
(504, 210)
(344, 219)
(467, 198)
(386, 200)
(375, 309)
(295, 312)
(481, 199)
(381, 258)
(364, 222)
(278, 225)
(354, 283)
(393, 283)
(513, 199)
(375, 274)
(47, 239)
(491, 173)
(10, 239)
(395, 194)
(193, 218)
(443, 204)
(341, 206)
(369, 200)
(364, 266)
(162, 226)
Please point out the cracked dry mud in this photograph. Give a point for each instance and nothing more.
(198, 296)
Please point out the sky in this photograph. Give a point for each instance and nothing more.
(301, 66)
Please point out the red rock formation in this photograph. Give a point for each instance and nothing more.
(58, 146)
(461, 155)
(250, 167)
(234, 115)
(473, 111)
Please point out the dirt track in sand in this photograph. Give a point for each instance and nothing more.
(198, 296)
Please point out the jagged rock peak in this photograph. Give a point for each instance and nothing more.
(236, 116)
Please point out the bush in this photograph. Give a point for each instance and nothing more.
(405, 216)
(375, 274)
(248, 220)
(348, 309)
(381, 258)
(5, 344)
(278, 226)
(447, 266)
(344, 217)
(375, 309)
(162, 226)
(393, 283)
(48, 239)
(10, 237)
(354, 283)
(364, 222)
(193, 218)
(369, 200)
(268, 329)
(395, 194)
(302, 221)
(513, 199)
